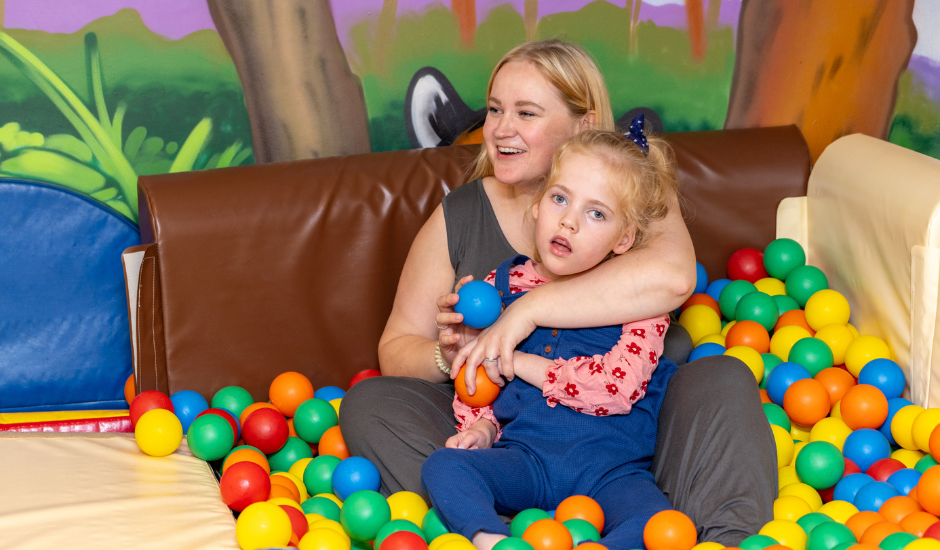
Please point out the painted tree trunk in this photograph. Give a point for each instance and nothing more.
(695, 18)
(302, 99)
(530, 18)
(711, 14)
(829, 66)
(383, 34)
(634, 21)
(466, 13)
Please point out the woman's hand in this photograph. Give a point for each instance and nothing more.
(455, 334)
(480, 435)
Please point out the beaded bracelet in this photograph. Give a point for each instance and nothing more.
(440, 360)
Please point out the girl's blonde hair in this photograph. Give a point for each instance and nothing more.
(643, 184)
(572, 72)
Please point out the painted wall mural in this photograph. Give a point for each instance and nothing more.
(96, 92)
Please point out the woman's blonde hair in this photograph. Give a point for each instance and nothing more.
(572, 72)
(643, 184)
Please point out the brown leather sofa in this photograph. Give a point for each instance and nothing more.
(252, 271)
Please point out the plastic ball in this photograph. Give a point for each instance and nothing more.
(755, 542)
(158, 432)
(187, 404)
(486, 390)
(130, 391)
(872, 495)
(882, 469)
(289, 390)
(776, 415)
(332, 443)
(812, 520)
(832, 430)
(715, 287)
(770, 361)
(812, 353)
(210, 437)
(265, 429)
(233, 399)
(749, 333)
(243, 454)
(902, 426)
(928, 490)
(866, 446)
(148, 401)
(363, 513)
(363, 374)
(243, 484)
(806, 402)
(838, 338)
(669, 530)
(480, 304)
(864, 349)
(908, 457)
(794, 317)
(917, 523)
(706, 350)
(326, 539)
(799, 433)
(827, 307)
(836, 381)
(885, 375)
(548, 534)
(896, 541)
(227, 416)
(581, 507)
(758, 307)
(318, 475)
(785, 337)
(838, 510)
(804, 281)
(783, 256)
(749, 357)
(861, 521)
(407, 505)
(712, 339)
(923, 426)
(805, 492)
(397, 526)
(926, 543)
(581, 531)
(784, 444)
(848, 486)
(771, 286)
(828, 535)
(747, 264)
(432, 525)
(313, 418)
(263, 525)
(820, 465)
(787, 533)
(782, 377)
(731, 294)
(355, 474)
(701, 278)
(864, 406)
(524, 519)
(322, 506)
(700, 321)
(703, 300)
(925, 464)
(293, 450)
(253, 407)
(785, 303)
(904, 480)
(790, 508)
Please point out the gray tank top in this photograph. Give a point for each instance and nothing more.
(476, 243)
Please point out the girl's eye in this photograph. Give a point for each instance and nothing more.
(596, 215)
(558, 199)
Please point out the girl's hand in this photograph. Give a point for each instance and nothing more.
(455, 334)
(498, 341)
(481, 435)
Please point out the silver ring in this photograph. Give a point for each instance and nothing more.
(439, 327)
(491, 359)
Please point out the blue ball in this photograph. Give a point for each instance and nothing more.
(355, 474)
(715, 287)
(894, 405)
(187, 404)
(849, 485)
(329, 393)
(865, 446)
(904, 480)
(480, 304)
(705, 350)
(872, 495)
(782, 377)
(701, 279)
(885, 375)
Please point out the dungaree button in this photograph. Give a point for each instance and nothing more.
(500, 292)
(548, 349)
(554, 332)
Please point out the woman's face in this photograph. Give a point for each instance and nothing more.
(526, 121)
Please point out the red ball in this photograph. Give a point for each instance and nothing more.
(298, 521)
(224, 414)
(244, 483)
(403, 540)
(826, 494)
(266, 430)
(850, 467)
(148, 401)
(933, 531)
(362, 375)
(747, 264)
(882, 469)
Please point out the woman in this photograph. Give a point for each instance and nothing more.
(715, 456)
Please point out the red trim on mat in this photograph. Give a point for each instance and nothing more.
(119, 424)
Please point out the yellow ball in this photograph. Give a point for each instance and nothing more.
(332, 497)
(925, 543)
(838, 510)
(329, 524)
(158, 432)
(805, 492)
(863, 349)
(712, 339)
(286, 502)
(836, 411)
(771, 286)
(786, 475)
(700, 320)
(311, 517)
(297, 481)
(750, 357)
(457, 545)
(727, 327)
(324, 539)
(297, 469)
(785, 532)
(799, 432)
(833, 430)
(853, 330)
(784, 444)
(907, 457)
(708, 546)
(783, 339)
(797, 447)
(923, 426)
(262, 525)
(790, 508)
(838, 338)
(336, 403)
(902, 426)
(826, 307)
(408, 505)
(445, 539)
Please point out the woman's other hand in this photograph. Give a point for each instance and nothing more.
(455, 334)
(498, 341)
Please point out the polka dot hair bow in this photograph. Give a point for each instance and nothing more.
(636, 133)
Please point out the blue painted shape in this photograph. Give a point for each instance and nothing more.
(64, 333)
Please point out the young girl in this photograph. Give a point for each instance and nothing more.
(524, 451)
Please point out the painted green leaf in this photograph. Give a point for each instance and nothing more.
(12, 138)
(240, 157)
(192, 146)
(70, 145)
(134, 141)
(150, 148)
(53, 167)
(106, 194)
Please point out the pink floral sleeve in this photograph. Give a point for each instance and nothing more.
(467, 416)
(612, 383)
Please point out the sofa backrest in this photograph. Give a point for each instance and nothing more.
(257, 270)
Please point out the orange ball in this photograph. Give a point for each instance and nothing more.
(806, 402)
(764, 396)
(793, 317)
(548, 534)
(861, 521)
(486, 393)
(934, 443)
(591, 545)
(283, 491)
(897, 508)
(252, 408)
(864, 406)
(291, 432)
(877, 532)
(928, 490)
(246, 455)
(836, 381)
(863, 547)
(289, 390)
(748, 333)
(333, 444)
(581, 507)
(917, 523)
(669, 530)
(129, 391)
(702, 299)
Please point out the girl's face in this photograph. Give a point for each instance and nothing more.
(578, 221)
(526, 121)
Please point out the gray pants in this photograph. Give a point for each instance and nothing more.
(715, 457)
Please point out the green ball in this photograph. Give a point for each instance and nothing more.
(323, 506)
(770, 361)
(777, 416)
(363, 514)
(925, 464)
(359, 545)
(233, 399)
(820, 465)
(524, 519)
(828, 535)
(291, 452)
(581, 531)
(758, 307)
(805, 281)
(513, 543)
(318, 475)
(811, 520)
(210, 437)
(897, 541)
(756, 542)
(812, 353)
(731, 294)
(783, 256)
(312, 418)
(397, 525)
(785, 303)
(238, 448)
(432, 525)
(844, 546)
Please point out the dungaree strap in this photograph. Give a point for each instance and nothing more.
(502, 274)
